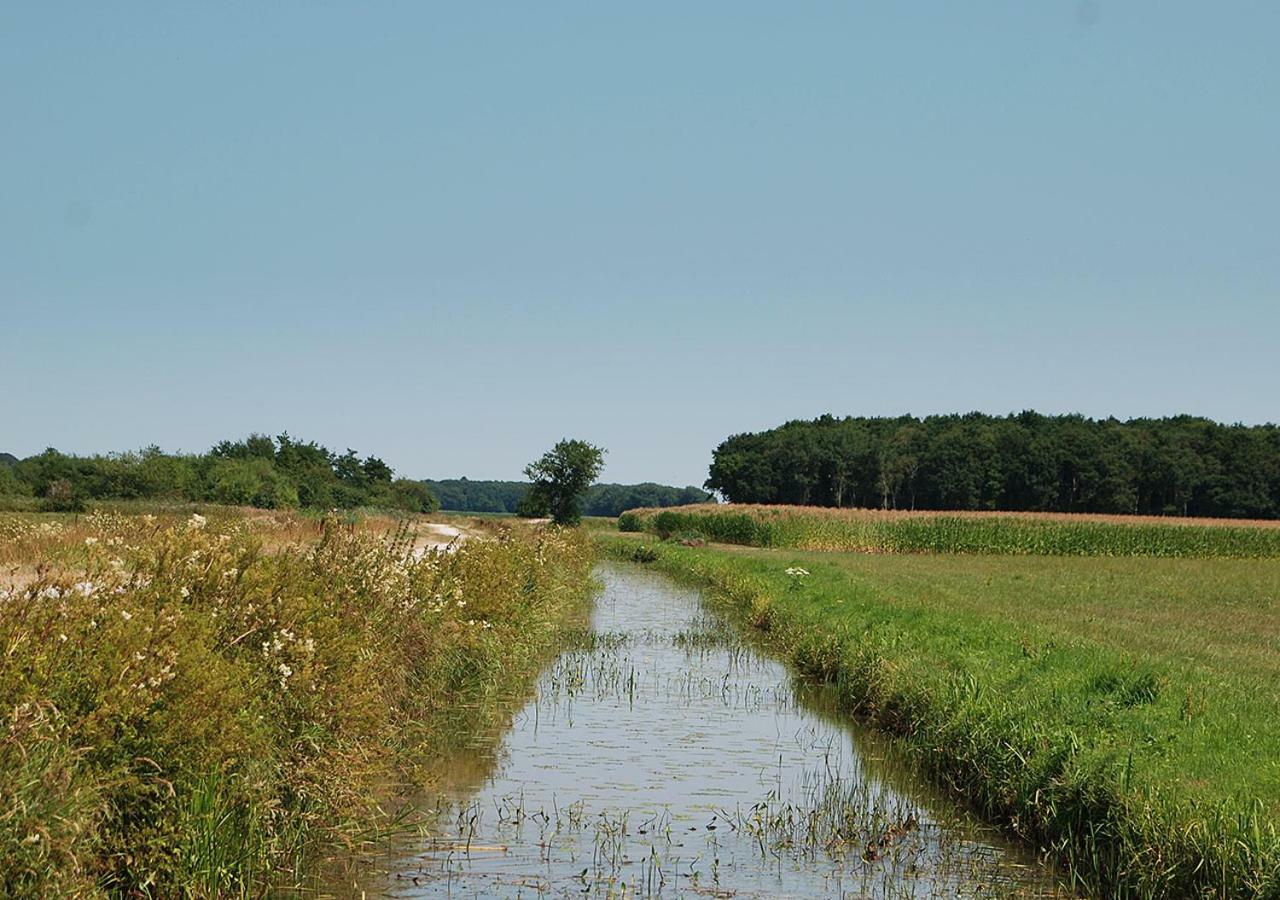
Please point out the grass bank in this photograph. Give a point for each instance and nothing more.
(194, 704)
(1119, 714)
(896, 531)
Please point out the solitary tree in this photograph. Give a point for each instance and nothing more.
(560, 478)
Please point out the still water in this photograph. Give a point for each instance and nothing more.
(661, 756)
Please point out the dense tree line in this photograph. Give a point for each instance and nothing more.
(257, 471)
(465, 495)
(1181, 465)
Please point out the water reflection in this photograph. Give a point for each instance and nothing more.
(662, 756)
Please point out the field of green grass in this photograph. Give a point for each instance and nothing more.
(1118, 713)
(1023, 534)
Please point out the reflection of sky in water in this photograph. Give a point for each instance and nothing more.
(674, 728)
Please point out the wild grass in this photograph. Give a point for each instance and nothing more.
(1030, 534)
(194, 703)
(1119, 714)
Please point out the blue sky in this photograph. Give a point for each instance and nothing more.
(451, 235)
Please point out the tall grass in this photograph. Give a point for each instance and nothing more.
(810, 528)
(1144, 764)
(191, 705)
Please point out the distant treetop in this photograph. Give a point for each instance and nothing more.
(1182, 465)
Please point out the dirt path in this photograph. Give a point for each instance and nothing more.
(437, 536)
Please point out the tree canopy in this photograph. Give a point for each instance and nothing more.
(473, 495)
(257, 471)
(560, 477)
(1182, 465)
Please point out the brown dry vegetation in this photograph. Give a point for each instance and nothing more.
(891, 515)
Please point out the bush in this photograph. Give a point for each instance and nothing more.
(629, 521)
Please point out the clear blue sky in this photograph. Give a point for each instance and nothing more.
(451, 235)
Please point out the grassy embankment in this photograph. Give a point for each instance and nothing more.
(193, 706)
(1023, 534)
(1119, 713)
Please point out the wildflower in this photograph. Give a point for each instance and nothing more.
(126, 615)
(797, 572)
(196, 521)
(90, 541)
(62, 638)
(185, 593)
(50, 593)
(85, 588)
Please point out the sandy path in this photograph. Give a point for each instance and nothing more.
(436, 536)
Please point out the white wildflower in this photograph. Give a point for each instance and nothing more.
(196, 521)
(126, 615)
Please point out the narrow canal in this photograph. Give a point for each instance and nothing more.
(662, 756)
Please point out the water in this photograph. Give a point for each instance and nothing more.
(663, 757)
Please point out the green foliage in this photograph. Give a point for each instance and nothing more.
(1076, 702)
(871, 532)
(260, 471)
(412, 496)
(560, 477)
(466, 495)
(185, 712)
(629, 521)
(1183, 466)
(10, 485)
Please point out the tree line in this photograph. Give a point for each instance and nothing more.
(1180, 465)
(466, 495)
(258, 471)
(283, 472)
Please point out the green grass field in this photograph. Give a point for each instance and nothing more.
(1119, 713)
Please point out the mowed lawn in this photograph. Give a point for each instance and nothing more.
(1209, 630)
(1121, 713)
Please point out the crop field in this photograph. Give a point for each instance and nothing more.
(1117, 713)
(1028, 534)
(197, 704)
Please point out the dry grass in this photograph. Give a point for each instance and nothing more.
(765, 510)
(191, 703)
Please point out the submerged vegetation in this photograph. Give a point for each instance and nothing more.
(1118, 714)
(194, 704)
(877, 531)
